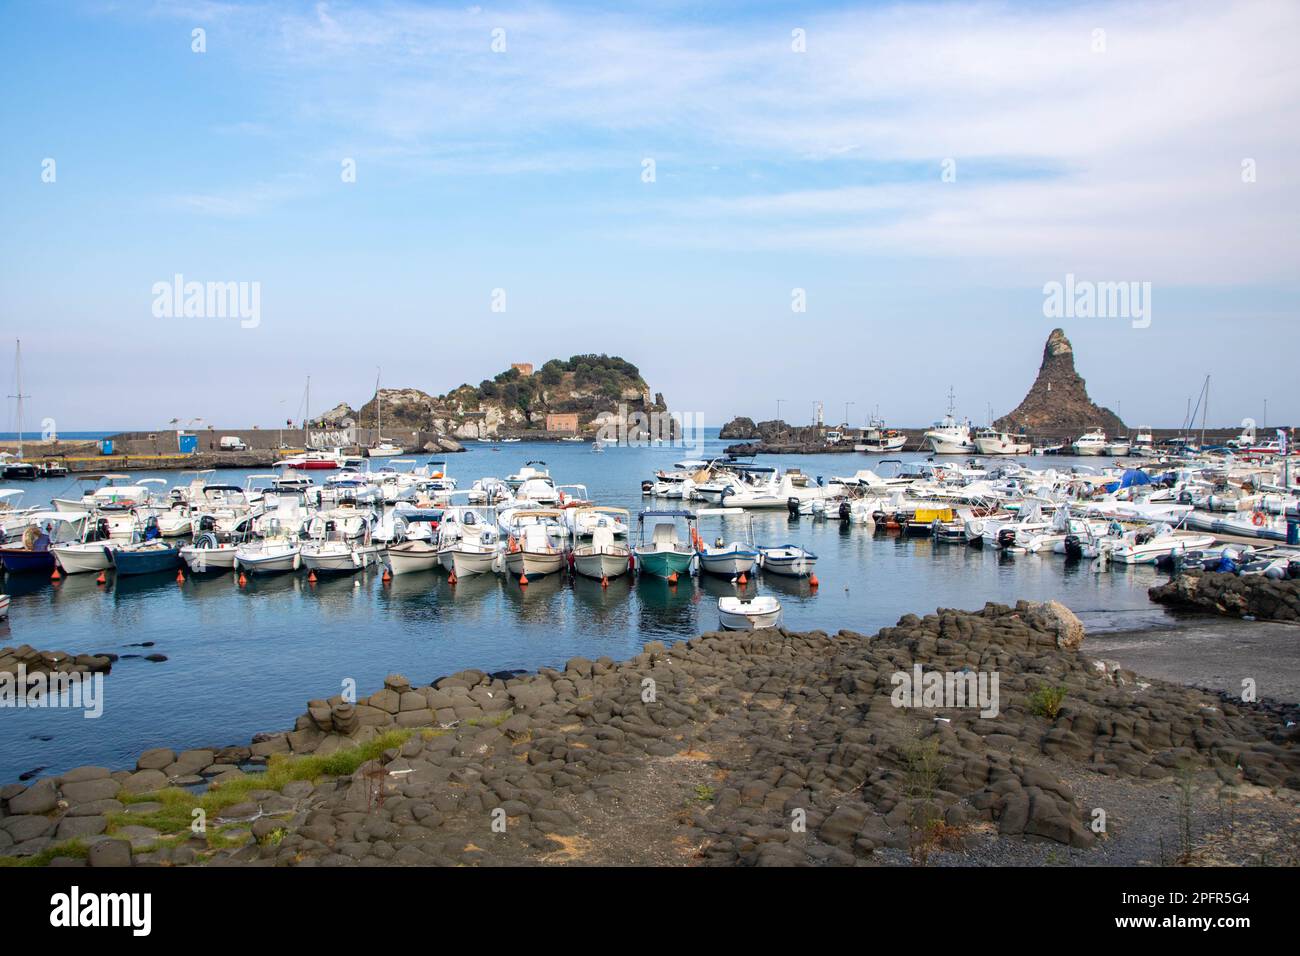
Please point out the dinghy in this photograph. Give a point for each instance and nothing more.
(738, 615)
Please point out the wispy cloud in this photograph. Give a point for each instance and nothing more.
(1142, 127)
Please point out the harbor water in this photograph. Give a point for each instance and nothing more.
(244, 660)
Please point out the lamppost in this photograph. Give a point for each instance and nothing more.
(846, 413)
(779, 423)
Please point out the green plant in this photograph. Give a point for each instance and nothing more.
(1046, 701)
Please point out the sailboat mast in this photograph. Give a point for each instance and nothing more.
(18, 374)
(379, 409)
(306, 413)
(1205, 410)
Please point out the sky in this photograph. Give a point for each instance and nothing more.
(666, 182)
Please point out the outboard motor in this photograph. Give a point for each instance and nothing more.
(1073, 546)
(647, 487)
(792, 504)
(1006, 538)
(102, 532)
(846, 512)
(207, 523)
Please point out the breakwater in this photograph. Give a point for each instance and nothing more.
(773, 747)
(1240, 596)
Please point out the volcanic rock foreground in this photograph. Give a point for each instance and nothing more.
(765, 748)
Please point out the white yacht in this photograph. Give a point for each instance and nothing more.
(1090, 443)
(989, 441)
(949, 436)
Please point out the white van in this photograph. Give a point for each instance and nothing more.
(231, 443)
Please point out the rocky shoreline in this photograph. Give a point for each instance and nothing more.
(1252, 596)
(771, 747)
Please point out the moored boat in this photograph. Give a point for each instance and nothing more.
(736, 614)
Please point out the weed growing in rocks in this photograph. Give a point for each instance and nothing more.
(1046, 701)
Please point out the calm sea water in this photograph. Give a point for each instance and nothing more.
(246, 660)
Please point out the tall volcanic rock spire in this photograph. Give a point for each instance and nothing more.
(1058, 400)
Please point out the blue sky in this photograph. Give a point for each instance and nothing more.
(522, 170)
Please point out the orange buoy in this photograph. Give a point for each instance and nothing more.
(451, 578)
(672, 577)
(812, 581)
(604, 581)
(742, 580)
(180, 576)
(388, 574)
(523, 580)
(311, 577)
(101, 579)
(243, 579)
(55, 575)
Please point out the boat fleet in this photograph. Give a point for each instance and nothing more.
(403, 517)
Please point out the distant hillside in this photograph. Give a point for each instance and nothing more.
(516, 400)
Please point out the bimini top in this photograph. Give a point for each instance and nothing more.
(420, 514)
(677, 513)
(741, 466)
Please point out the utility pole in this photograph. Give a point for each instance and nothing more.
(846, 413)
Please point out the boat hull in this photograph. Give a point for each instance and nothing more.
(279, 562)
(661, 564)
(737, 615)
(153, 561)
(412, 560)
(601, 564)
(19, 561)
(728, 565)
(81, 559)
(205, 560)
(345, 561)
(468, 563)
(534, 564)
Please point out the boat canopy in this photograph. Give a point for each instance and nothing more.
(671, 513)
(10, 493)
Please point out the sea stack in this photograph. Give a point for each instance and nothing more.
(1058, 402)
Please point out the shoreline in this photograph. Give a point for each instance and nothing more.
(564, 751)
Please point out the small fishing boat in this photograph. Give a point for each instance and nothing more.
(209, 553)
(33, 553)
(414, 546)
(726, 559)
(990, 441)
(270, 556)
(604, 557)
(90, 553)
(665, 555)
(339, 556)
(152, 556)
(535, 548)
(788, 560)
(740, 615)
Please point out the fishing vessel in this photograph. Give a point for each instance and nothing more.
(878, 440)
(535, 547)
(45, 529)
(728, 559)
(665, 554)
(990, 441)
(788, 560)
(949, 436)
(604, 557)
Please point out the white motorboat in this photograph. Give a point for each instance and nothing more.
(726, 559)
(989, 441)
(740, 615)
(384, 449)
(1148, 548)
(14, 517)
(269, 556)
(209, 554)
(412, 556)
(467, 540)
(604, 557)
(535, 547)
(86, 555)
(788, 560)
(1118, 448)
(526, 472)
(1090, 443)
(339, 556)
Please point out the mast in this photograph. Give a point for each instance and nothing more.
(1205, 410)
(379, 410)
(18, 375)
(306, 414)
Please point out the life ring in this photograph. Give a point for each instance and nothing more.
(1258, 519)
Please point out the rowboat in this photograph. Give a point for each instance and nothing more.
(788, 560)
(144, 557)
(739, 615)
